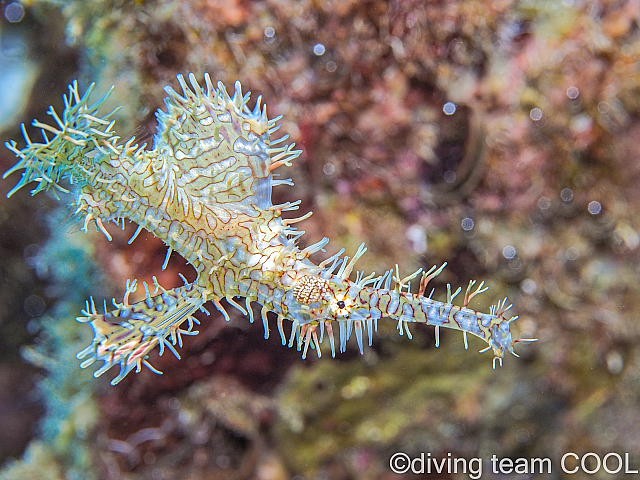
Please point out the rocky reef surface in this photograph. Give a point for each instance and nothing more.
(500, 137)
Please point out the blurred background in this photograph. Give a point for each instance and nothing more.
(501, 137)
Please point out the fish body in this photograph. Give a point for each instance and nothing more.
(204, 189)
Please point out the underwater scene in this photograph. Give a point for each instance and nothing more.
(170, 309)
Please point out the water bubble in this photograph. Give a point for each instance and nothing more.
(566, 194)
(603, 107)
(329, 168)
(34, 305)
(467, 224)
(14, 12)
(318, 49)
(572, 253)
(594, 207)
(269, 35)
(610, 434)
(515, 264)
(331, 66)
(535, 114)
(573, 92)
(449, 108)
(157, 474)
(544, 203)
(523, 435)
(509, 252)
(449, 176)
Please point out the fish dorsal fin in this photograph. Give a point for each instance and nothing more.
(215, 152)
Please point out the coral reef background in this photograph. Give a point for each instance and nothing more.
(502, 137)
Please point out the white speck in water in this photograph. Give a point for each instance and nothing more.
(318, 49)
(529, 286)
(449, 108)
(573, 92)
(566, 194)
(418, 238)
(467, 224)
(594, 207)
(581, 123)
(14, 12)
(509, 252)
(331, 66)
(535, 114)
(615, 362)
(207, 358)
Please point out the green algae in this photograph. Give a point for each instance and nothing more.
(334, 406)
